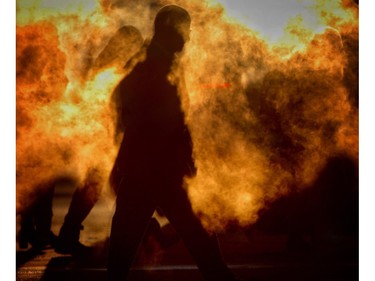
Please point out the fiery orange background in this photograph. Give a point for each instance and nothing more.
(264, 115)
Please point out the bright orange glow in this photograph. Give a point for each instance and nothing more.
(264, 116)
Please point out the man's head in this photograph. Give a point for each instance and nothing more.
(172, 27)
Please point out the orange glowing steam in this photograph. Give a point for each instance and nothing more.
(264, 116)
(64, 119)
(290, 107)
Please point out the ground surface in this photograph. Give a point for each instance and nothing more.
(258, 256)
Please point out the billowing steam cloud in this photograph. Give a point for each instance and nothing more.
(282, 113)
(264, 117)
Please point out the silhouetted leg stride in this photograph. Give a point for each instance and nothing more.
(83, 201)
(43, 219)
(203, 247)
(134, 209)
(136, 202)
(27, 230)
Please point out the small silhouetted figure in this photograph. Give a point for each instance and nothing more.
(156, 154)
(35, 224)
(36, 220)
(125, 43)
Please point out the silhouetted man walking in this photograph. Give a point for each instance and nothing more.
(156, 154)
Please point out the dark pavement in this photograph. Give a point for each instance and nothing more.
(252, 255)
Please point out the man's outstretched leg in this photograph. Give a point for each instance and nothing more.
(83, 201)
(203, 247)
(134, 209)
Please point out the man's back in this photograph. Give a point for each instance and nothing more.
(150, 104)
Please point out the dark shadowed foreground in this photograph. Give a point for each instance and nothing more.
(309, 235)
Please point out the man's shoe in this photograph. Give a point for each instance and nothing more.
(74, 248)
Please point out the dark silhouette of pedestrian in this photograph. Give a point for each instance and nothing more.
(36, 220)
(156, 154)
(35, 223)
(83, 200)
(125, 43)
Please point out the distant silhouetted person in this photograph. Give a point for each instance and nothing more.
(156, 154)
(120, 48)
(36, 220)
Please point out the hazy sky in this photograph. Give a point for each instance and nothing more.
(268, 17)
